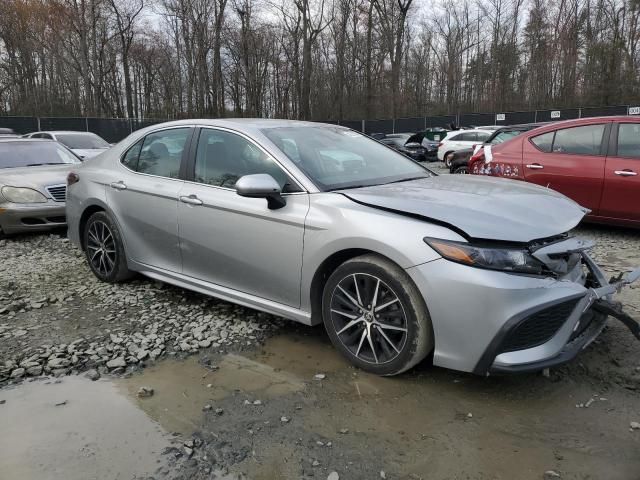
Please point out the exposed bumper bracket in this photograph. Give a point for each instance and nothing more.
(614, 309)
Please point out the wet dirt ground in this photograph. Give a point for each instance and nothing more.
(259, 412)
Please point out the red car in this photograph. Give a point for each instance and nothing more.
(594, 161)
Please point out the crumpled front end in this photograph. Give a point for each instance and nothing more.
(497, 322)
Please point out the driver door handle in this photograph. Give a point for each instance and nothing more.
(535, 166)
(626, 173)
(118, 185)
(191, 200)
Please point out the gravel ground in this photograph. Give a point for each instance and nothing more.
(57, 318)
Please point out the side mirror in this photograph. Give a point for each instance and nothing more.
(261, 185)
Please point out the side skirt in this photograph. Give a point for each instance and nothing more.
(223, 293)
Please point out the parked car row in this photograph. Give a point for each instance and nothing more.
(320, 224)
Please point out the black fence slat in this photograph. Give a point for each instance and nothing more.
(409, 125)
(111, 129)
(20, 125)
(477, 119)
(443, 121)
(378, 126)
(78, 124)
(517, 118)
(604, 111)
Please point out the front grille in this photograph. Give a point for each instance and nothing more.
(58, 192)
(538, 328)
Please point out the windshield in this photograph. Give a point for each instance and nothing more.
(27, 154)
(81, 141)
(336, 157)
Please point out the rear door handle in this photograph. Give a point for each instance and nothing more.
(191, 200)
(119, 185)
(535, 166)
(626, 173)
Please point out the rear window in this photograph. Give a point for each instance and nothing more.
(82, 141)
(505, 135)
(629, 140)
(544, 141)
(38, 152)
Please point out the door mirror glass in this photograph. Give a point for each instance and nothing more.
(261, 185)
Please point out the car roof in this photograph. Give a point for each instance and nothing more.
(66, 132)
(25, 140)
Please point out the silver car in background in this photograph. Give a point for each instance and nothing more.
(33, 184)
(83, 144)
(320, 224)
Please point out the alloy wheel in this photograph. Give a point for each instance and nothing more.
(368, 318)
(101, 248)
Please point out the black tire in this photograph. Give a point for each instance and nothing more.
(463, 170)
(447, 163)
(377, 343)
(102, 240)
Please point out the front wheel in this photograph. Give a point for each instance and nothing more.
(462, 170)
(376, 317)
(104, 249)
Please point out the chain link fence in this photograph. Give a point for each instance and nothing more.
(115, 129)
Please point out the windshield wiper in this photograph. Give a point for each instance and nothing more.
(41, 164)
(406, 180)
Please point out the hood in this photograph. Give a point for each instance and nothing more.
(88, 152)
(478, 207)
(36, 177)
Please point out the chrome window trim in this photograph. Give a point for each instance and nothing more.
(253, 142)
(121, 157)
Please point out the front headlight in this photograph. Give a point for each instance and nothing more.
(505, 259)
(23, 195)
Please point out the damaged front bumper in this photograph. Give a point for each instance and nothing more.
(587, 316)
(487, 321)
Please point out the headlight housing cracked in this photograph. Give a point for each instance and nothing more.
(514, 259)
(22, 195)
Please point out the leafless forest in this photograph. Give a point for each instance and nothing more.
(314, 59)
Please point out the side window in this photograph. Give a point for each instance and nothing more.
(47, 136)
(629, 140)
(544, 141)
(223, 157)
(585, 140)
(456, 138)
(130, 159)
(161, 152)
(481, 136)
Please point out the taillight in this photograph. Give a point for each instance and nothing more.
(440, 144)
(72, 178)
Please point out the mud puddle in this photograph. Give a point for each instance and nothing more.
(263, 415)
(74, 428)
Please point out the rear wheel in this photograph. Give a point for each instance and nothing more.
(447, 159)
(104, 249)
(376, 317)
(464, 170)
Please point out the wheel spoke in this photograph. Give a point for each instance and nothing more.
(384, 335)
(373, 350)
(387, 304)
(364, 334)
(386, 326)
(349, 325)
(374, 300)
(345, 314)
(351, 299)
(355, 282)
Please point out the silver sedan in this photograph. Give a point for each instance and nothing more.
(320, 224)
(33, 184)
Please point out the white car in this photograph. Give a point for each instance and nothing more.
(459, 140)
(83, 144)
